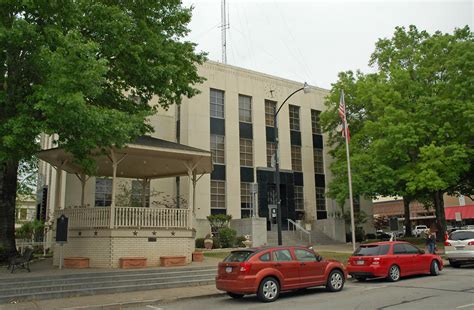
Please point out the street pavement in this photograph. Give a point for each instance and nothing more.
(453, 289)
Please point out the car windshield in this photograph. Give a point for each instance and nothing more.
(372, 250)
(238, 256)
(461, 235)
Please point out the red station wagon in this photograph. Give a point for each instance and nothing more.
(392, 260)
(267, 271)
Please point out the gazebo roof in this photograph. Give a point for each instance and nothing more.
(146, 157)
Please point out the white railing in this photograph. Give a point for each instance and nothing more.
(295, 227)
(126, 217)
(87, 217)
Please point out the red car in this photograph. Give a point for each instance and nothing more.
(392, 260)
(267, 271)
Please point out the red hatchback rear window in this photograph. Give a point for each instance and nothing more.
(372, 250)
(238, 256)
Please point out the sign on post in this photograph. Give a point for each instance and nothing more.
(61, 235)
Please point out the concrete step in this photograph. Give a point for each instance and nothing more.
(82, 284)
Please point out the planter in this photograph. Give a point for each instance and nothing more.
(169, 261)
(198, 256)
(132, 262)
(208, 244)
(76, 262)
(247, 243)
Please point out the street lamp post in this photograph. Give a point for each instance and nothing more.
(305, 89)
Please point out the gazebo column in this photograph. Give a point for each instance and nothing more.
(193, 179)
(83, 178)
(144, 184)
(115, 163)
(59, 187)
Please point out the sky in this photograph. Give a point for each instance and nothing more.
(312, 41)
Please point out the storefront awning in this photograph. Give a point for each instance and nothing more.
(467, 212)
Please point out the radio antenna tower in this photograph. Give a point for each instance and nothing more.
(224, 26)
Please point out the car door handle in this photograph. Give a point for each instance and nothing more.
(302, 264)
(277, 265)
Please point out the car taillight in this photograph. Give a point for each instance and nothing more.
(244, 267)
(376, 261)
(471, 243)
(446, 243)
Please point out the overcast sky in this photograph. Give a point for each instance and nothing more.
(312, 41)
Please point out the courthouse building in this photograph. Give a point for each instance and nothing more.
(232, 118)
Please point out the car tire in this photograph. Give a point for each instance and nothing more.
(235, 295)
(393, 273)
(434, 268)
(454, 264)
(268, 290)
(335, 281)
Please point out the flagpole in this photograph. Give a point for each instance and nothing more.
(349, 176)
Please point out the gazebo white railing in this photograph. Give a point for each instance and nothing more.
(128, 217)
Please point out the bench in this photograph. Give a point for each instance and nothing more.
(23, 261)
(132, 262)
(76, 262)
(170, 261)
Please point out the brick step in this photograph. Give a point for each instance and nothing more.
(103, 284)
(102, 277)
(103, 290)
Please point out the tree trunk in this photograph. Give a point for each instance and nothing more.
(8, 179)
(440, 215)
(406, 211)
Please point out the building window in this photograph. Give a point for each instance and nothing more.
(270, 108)
(316, 122)
(217, 194)
(137, 193)
(296, 162)
(271, 148)
(356, 204)
(299, 198)
(245, 109)
(217, 103)
(320, 204)
(246, 198)
(218, 149)
(246, 153)
(318, 161)
(103, 192)
(294, 118)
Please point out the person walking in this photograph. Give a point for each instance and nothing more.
(431, 242)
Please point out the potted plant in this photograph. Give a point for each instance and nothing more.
(208, 242)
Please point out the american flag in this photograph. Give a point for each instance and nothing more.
(342, 115)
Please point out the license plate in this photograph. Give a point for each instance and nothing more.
(228, 269)
(459, 248)
(360, 262)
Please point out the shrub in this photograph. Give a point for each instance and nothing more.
(216, 243)
(239, 241)
(200, 243)
(227, 237)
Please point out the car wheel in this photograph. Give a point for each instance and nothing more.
(394, 273)
(454, 264)
(269, 290)
(335, 281)
(434, 269)
(234, 295)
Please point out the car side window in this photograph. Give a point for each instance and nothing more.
(265, 257)
(410, 249)
(399, 249)
(305, 256)
(282, 256)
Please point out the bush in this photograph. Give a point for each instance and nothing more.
(216, 243)
(359, 234)
(227, 237)
(370, 236)
(239, 241)
(200, 243)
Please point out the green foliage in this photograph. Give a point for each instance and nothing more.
(218, 221)
(200, 243)
(410, 121)
(216, 243)
(227, 237)
(30, 231)
(239, 241)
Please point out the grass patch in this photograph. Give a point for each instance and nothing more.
(342, 257)
(220, 255)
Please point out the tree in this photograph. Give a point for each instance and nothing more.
(404, 139)
(85, 71)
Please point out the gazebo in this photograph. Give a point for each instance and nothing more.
(106, 235)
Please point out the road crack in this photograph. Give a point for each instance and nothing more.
(405, 302)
